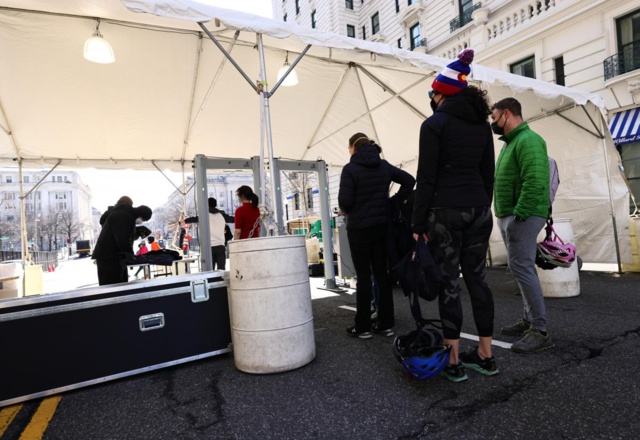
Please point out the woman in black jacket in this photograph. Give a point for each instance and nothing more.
(452, 209)
(363, 197)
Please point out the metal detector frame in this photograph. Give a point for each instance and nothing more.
(202, 164)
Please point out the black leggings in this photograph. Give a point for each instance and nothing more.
(458, 238)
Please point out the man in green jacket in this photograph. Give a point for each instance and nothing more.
(521, 204)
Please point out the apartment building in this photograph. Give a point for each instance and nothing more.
(61, 205)
(591, 45)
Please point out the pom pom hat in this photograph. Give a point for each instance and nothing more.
(454, 77)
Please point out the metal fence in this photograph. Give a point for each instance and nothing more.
(49, 260)
(626, 60)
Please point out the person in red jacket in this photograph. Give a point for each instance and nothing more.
(247, 224)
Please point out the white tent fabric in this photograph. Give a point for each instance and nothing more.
(171, 94)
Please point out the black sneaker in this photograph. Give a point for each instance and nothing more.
(455, 373)
(351, 331)
(382, 331)
(471, 359)
(532, 342)
(517, 329)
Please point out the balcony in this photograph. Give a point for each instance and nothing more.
(463, 18)
(420, 45)
(624, 61)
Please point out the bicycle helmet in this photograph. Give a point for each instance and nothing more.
(557, 253)
(421, 353)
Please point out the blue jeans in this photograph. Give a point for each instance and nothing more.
(520, 238)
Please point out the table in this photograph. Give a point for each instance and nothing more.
(146, 270)
(181, 270)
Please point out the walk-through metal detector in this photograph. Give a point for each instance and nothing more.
(202, 164)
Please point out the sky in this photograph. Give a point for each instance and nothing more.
(151, 188)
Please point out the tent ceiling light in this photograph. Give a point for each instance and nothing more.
(292, 78)
(97, 49)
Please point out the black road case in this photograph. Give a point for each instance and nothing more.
(57, 342)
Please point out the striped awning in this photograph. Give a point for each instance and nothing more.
(625, 127)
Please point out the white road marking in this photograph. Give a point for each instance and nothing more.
(462, 335)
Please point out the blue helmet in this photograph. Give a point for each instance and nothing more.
(422, 353)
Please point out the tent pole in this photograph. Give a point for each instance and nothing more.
(226, 54)
(395, 95)
(366, 103)
(264, 93)
(390, 90)
(326, 111)
(613, 212)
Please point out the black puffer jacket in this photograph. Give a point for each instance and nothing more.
(364, 188)
(457, 164)
(117, 235)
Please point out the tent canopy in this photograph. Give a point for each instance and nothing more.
(172, 94)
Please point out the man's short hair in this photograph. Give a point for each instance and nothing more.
(125, 200)
(212, 202)
(510, 104)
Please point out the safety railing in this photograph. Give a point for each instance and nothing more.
(624, 61)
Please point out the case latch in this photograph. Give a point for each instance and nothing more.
(199, 291)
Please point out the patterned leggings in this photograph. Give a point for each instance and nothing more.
(458, 239)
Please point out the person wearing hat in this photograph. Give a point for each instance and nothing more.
(217, 223)
(452, 207)
(115, 242)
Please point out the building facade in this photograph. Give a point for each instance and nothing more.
(590, 45)
(57, 212)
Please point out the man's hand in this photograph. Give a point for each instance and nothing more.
(424, 235)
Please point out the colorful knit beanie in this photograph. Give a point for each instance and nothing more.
(454, 77)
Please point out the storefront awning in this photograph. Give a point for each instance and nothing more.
(625, 127)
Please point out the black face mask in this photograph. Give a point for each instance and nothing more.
(496, 128)
(434, 106)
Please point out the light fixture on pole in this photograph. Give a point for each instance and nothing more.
(97, 49)
(292, 78)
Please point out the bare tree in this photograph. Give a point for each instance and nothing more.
(70, 224)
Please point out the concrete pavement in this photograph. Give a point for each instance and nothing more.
(586, 388)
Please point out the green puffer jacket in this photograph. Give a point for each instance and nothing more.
(522, 175)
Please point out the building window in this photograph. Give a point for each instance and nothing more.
(559, 64)
(10, 218)
(296, 201)
(397, 6)
(465, 9)
(313, 19)
(351, 31)
(297, 7)
(62, 205)
(628, 56)
(310, 198)
(348, 4)
(9, 196)
(375, 23)
(26, 179)
(414, 35)
(285, 17)
(9, 179)
(410, 2)
(399, 43)
(364, 32)
(59, 178)
(524, 67)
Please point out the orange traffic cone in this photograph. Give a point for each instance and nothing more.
(48, 268)
(53, 268)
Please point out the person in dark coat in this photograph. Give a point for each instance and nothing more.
(115, 242)
(452, 207)
(363, 197)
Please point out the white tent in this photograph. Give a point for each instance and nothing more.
(172, 94)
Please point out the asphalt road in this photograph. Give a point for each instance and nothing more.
(586, 388)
